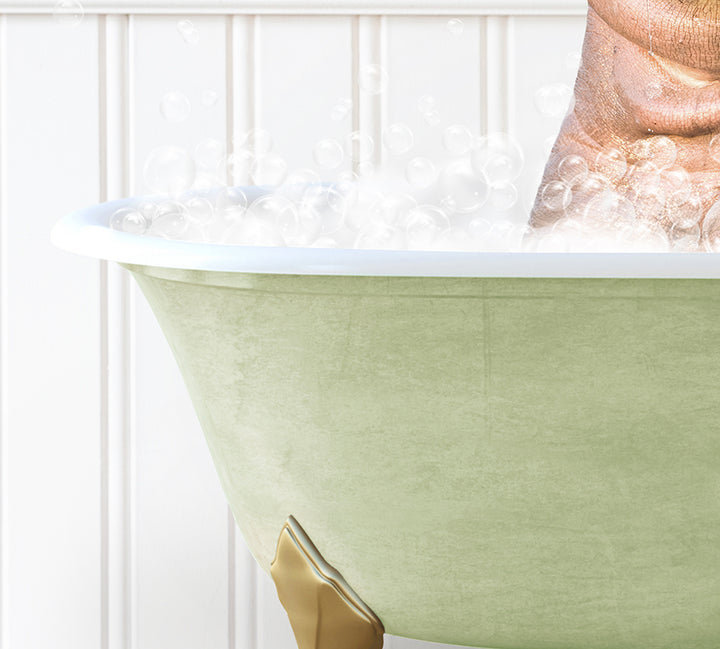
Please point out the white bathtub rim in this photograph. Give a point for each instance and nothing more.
(86, 232)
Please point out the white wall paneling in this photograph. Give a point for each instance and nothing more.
(51, 351)
(314, 7)
(180, 512)
(4, 420)
(114, 532)
(560, 41)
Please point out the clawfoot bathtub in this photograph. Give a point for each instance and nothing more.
(496, 450)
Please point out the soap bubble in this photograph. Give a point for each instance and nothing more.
(373, 79)
(365, 169)
(329, 203)
(609, 207)
(68, 13)
(259, 141)
(393, 208)
(426, 103)
(676, 179)
(553, 242)
(129, 220)
(238, 166)
(252, 231)
(296, 184)
(554, 100)
(711, 229)
(685, 213)
(499, 157)
(283, 216)
(468, 188)
(348, 176)
(209, 153)
(305, 229)
(582, 194)
(478, 229)
(505, 235)
(660, 150)
(649, 207)
(556, 196)
(231, 204)
(685, 239)
(432, 117)
(200, 211)
(360, 147)
(648, 236)
(205, 180)
(208, 98)
(573, 170)
(269, 169)
(302, 177)
(503, 197)
(328, 154)
(325, 242)
(175, 107)
(453, 239)
(272, 208)
(377, 235)
(398, 139)
(148, 209)
(644, 178)
(457, 139)
(448, 205)
(169, 170)
(341, 109)
(360, 204)
(455, 26)
(714, 148)
(611, 163)
(420, 172)
(422, 225)
(171, 220)
(189, 32)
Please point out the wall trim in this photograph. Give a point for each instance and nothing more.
(312, 7)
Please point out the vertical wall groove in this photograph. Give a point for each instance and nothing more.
(4, 432)
(496, 82)
(382, 38)
(509, 58)
(229, 138)
(130, 293)
(240, 89)
(367, 113)
(255, 68)
(114, 116)
(104, 344)
(354, 71)
(229, 92)
(242, 78)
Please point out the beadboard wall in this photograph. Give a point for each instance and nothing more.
(114, 530)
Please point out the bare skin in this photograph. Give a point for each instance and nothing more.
(630, 100)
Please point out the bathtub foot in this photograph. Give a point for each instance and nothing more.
(324, 612)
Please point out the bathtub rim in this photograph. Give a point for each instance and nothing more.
(86, 232)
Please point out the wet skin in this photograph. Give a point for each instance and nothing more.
(625, 95)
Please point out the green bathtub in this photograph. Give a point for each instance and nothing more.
(494, 460)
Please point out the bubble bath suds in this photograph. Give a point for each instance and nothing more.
(622, 201)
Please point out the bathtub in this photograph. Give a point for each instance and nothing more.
(493, 450)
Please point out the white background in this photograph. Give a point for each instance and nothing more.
(114, 530)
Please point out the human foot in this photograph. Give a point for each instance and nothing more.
(643, 121)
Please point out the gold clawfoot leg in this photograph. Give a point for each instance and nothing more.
(324, 611)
